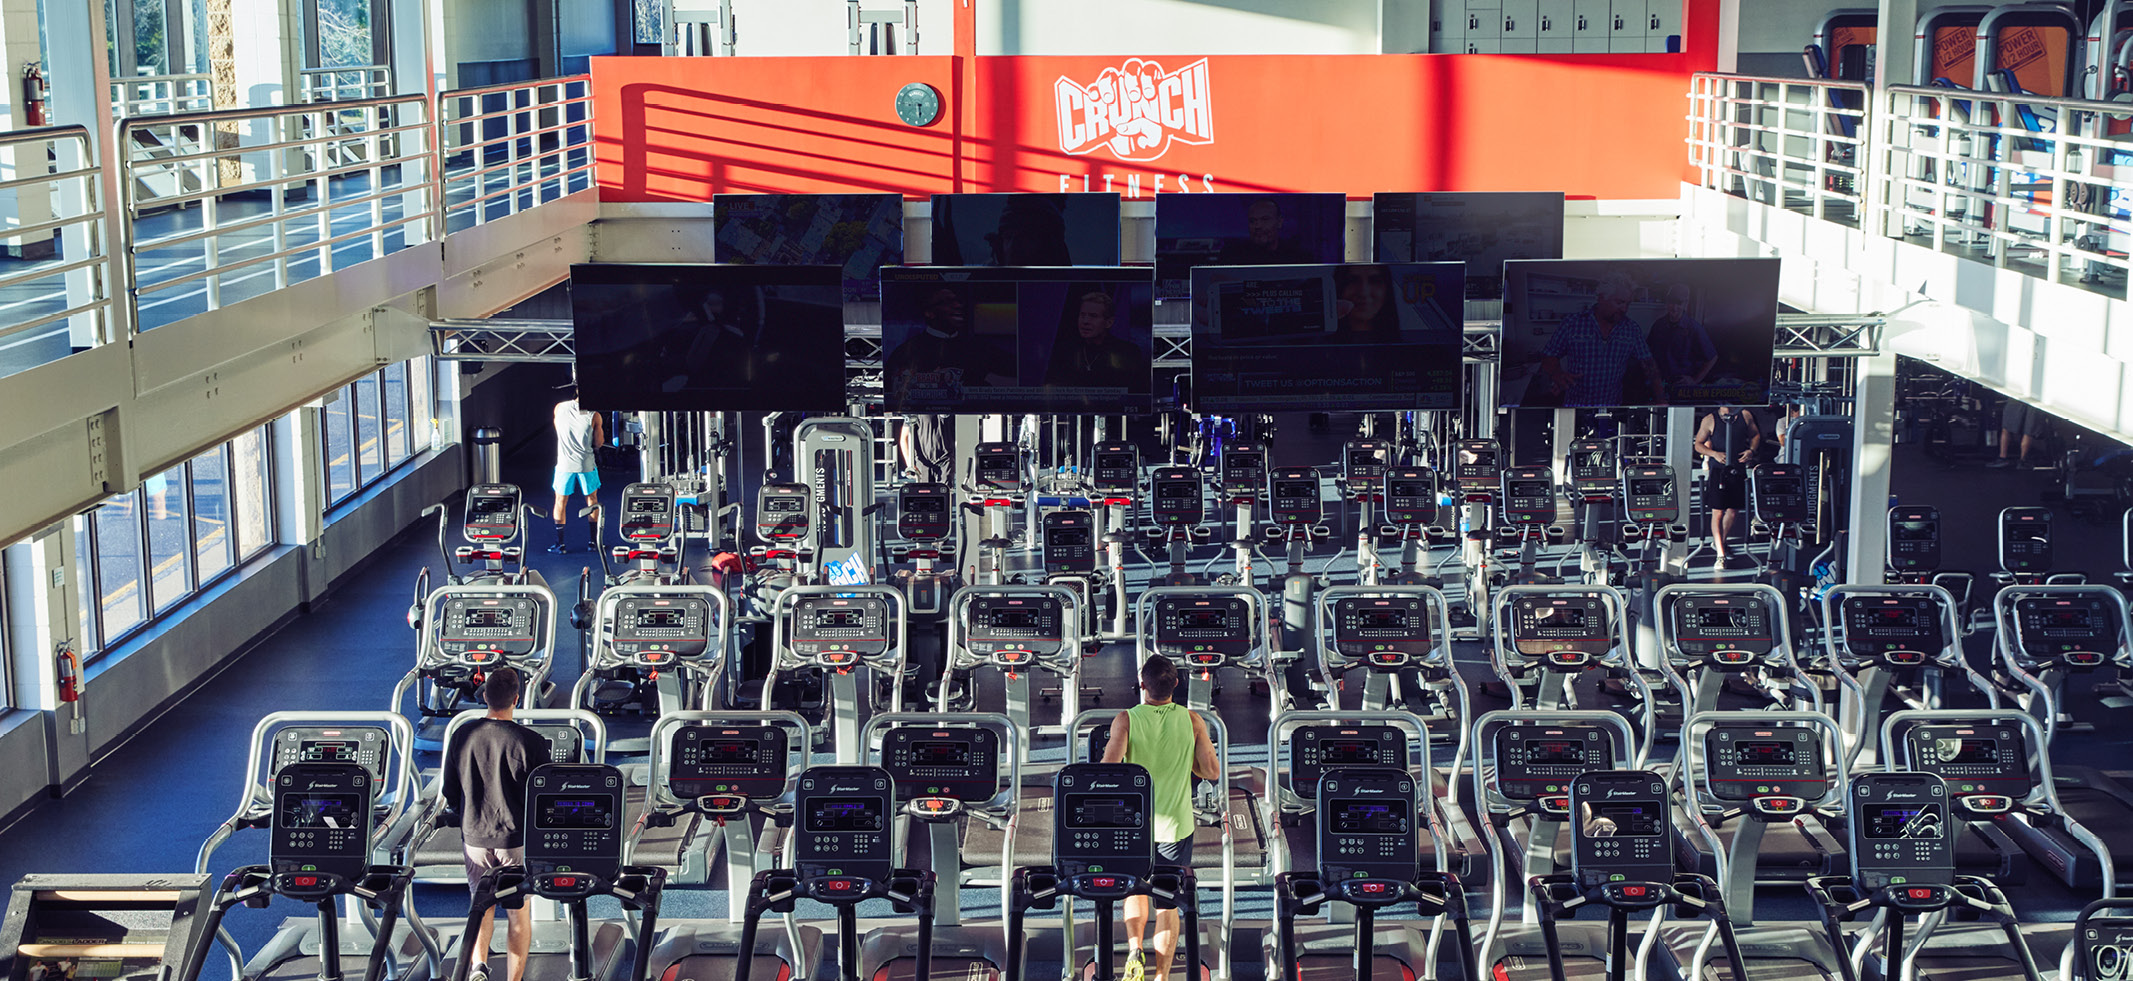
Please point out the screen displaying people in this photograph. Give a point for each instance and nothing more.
(708, 338)
(1243, 230)
(978, 340)
(859, 232)
(1355, 336)
(1483, 229)
(1639, 332)
(1025, 229)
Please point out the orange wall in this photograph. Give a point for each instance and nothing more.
(1601, 126)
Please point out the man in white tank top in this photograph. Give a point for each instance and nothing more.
(578, 434)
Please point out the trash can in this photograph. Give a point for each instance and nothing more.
(488, 455)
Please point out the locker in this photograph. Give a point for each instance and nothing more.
(1626, 26)
(1589, 23)
(1447, 26)
(1662, 20)
(1557, 19)
(1557, 46)
(1521, 19)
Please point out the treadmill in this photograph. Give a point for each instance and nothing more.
(1304, 745)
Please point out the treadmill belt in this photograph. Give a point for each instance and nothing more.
(944, 969)
(1337, 967)
(1033, 838)
(694, 968)
(2101, 813)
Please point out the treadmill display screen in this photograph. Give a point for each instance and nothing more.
(727, 750)
(327, 751)
(304, 811)
(1772, 753)
(1204, 620)
(831, 814)
(1560, 617)
(924, 505)
(1922, 820)
(1651, 487)
(564, 811)
(661, 618)
(840, 618)
(1977, 752)
(783, 504)
(1721, 618)
(490, 505)
(1915, 531)
(1102, 811)
(1554, 752)
(1393, 618)
(1369, 817)
(1624, 819)
(1067, 537)
(1348, 752)
(488, 618)
(942, 752)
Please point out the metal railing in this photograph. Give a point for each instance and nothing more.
(55, 294)
(345, 83)
(2021, 181)
(161, 95)
(1788, 142)
(285, 194)
(511, 147)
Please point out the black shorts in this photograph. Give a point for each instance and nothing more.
(1178, 853)
(1728, 487)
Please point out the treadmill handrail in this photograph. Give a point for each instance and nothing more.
(2004, 637)
(1950, 654)
(1781, 630)
(1617, 657)
(400, 772)
(1008, 800)
(603, 622)
(1070, 614)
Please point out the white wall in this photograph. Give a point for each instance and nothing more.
(817, 27)
(1140, 27)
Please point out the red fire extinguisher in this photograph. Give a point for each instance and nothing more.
(68, 667)
(34, 95)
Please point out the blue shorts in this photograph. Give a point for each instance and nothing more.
(584, 482)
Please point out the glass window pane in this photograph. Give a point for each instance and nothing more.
(369, 453)
(212, 534)
(170, 541)
(422, 406)
(344, 33)
(394, 380)
(151, 42)
(118, 565)
(85, 593)
(340, 450)
(249, 486)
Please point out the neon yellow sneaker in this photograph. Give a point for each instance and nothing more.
(1136, 965)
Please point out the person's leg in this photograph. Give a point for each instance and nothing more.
(1136, 924)
(1726, 518)
(1165, 941)
(2028, 443)
(560, 513)
(518, 942)
(589, 485)
(482, 938)
(1718, 532)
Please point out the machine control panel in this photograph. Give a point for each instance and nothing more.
(649, 512)
(1777, 494)
(959, 762)
(1563, 629)
(574, 825)
(1477, 468)
(365, 746)
(1749, 762)
(1591, 466)
(1648, 495)
(1893, 631)
(844, 814)
(1528, 496)
(709, 760)
(1202, 633)
(1174, 498)
(483, 631)
(493, 515)
(1069, 543)
(1727, 632)
(1293, 496)
(996, 468)
(1621, 826)
(1363, 464)
(1103, 822)
(784, 513)
(924, 512)
(1914, 538)
(1366, 825)
(1013, 631)
(837, 631)
(1115, 469)
(2026, 540)
(1243, 470)
(566, 744)
(321, 826)
(1410, 495)
(1538, 762)
(1384, 632)
(1901, 834)
(1985, 763)
(2078, 629)
(653, 631)
(1314, 750)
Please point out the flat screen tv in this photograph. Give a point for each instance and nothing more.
(1243, 230)
(1025, 229)
(1358, 336)
(705, 338)
(1637, 332)
(1051, 340)
(859, 232)
(1483, 229)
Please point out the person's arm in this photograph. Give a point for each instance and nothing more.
(1755, 437)
(1658, 381)
(599, 429)
(1115, 750)
(454, 795)
(1205, 764)
(1703, 438)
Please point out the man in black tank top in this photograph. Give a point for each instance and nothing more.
(1728, 441)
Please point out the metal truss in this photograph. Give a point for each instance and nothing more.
(502, 340)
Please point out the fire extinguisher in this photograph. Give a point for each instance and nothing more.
(68, 667)
(34, 95)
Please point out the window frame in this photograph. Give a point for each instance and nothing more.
(387, 466)
(381, 29)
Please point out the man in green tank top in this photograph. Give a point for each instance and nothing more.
(1170, 742)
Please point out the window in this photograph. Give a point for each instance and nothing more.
(370, 455)
(372, 427)
(169, 537)
(340, 450)
(421, 405)
(115, 553)
(252, 491)
(213, 548)
(341, 33)
(393, 388)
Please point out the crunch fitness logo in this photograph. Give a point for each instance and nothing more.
(1135, 110)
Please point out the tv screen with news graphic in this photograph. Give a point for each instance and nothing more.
(1025, 230)
(1243, 230)
(708, 338)
(1356, 336)
(859, 232)
(1637, 332)
(1483, 229)
(1046, 340)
